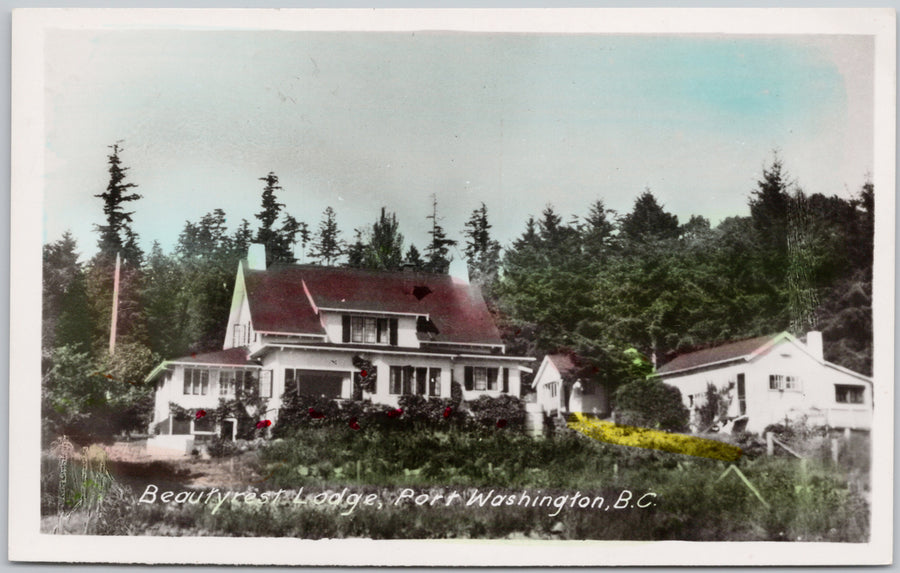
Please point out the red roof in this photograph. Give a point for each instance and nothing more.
(231, 357)
(723, 353)
(279, 303)
(562, 362)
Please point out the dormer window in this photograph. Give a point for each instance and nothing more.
(364, 330)
(369, 330)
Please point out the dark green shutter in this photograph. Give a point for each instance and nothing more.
(393, 332)
(346, 333)
(506, 380)
(470, 376)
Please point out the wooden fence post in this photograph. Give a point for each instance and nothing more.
(835, 449)
(770, 444)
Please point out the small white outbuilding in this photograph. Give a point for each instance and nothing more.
(774, 379)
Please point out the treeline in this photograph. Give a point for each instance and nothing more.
(604, 286)
(601, 284)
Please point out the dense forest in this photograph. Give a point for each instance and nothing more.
(605, 286)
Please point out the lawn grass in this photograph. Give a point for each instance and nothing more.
(812, 500)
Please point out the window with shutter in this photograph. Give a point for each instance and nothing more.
(345, 324)
(393, 333)
(469, 377)
(506, 380)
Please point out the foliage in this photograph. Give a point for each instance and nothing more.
(504, 411)
(379, 248)
(651, 404)
(437, 253)
(327, 247)
(482, 252)
(117, 236)
(813, 500)
(279, 241)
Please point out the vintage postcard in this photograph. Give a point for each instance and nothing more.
(452, 287)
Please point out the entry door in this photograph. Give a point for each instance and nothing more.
(742, 394)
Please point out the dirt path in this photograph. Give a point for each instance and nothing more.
(130, 463)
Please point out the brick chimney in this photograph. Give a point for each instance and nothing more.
(256, 257)
(814, 344)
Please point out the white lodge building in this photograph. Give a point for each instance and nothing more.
(301, 327)
(773, 379)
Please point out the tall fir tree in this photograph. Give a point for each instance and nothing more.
(437, 253)
(327, 247)
(385, 247)
(482, 252)
(279, 241)
(117, 236)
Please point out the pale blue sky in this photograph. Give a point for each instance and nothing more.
(357, 121)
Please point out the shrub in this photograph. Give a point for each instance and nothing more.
(220, 448)
(421, 410)
(652, 404)
(490, 411)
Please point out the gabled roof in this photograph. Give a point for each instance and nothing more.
(717, 354)
(278, 302)
(745, 350)
(285, 298)
(562, 362)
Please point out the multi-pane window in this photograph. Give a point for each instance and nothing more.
(552, 387)
(434, 381)
(415, 380)
(849, 394)
(363, 329)
(480, 378)
(196, 381)
(486, 378)
(782, 382)
(230, 381)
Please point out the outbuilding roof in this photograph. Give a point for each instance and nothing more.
(724, 353)
(285, 299)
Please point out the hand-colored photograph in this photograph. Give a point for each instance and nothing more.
(525, 287)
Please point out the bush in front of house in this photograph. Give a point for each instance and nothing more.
(651, 404)
(421, 410)
(503, 411)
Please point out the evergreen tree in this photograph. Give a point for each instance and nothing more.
(356, 252)
(649, 221)
(117, 236)
(328, 247)
(66, 314)
(437, 253)
(384, 250)
(598, 230)
(414, 259)
(279, 241)
(482, 252)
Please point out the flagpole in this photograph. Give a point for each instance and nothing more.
(115, 310)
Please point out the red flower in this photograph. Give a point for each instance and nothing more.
(395, 413)
(501, 423)
(200, 413)
(354, 423)
(364, 373)
(313, 413)
(447, 411)
(263, 424)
